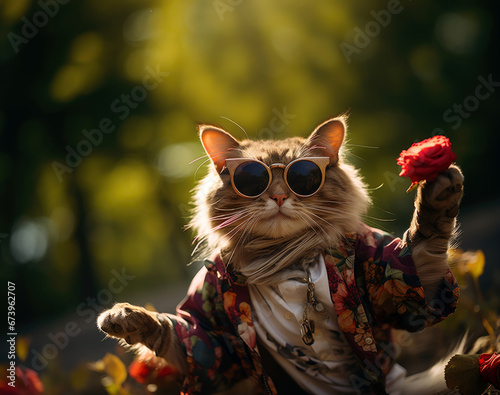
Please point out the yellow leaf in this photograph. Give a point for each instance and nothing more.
(471, 262)
(22, 347)
(115, 368)
(476, 264)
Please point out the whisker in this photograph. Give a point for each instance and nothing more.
(331, 210)
(322, 219)
(227, 209)
(237, 227)
(331, 226)
(243, 130)
(225, 216)
(375, 188)
(224, 224)
(361, 146)
(198, 244)
(197, 159)
(218, 218)
(198, 168)
(380, 208)
(326, 206)
(375, 224)
(307, 219)
(336, 202)
(356, 156)
(245, 230)
(380, 219)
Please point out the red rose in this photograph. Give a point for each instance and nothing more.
(426, 159)
(140, 371)
(149, 372)
(489, 367)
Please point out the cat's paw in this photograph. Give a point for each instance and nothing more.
(131, 323)
(445, 192)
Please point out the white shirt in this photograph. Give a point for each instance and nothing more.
(324, 366)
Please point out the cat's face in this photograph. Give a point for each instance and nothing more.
(279, 213)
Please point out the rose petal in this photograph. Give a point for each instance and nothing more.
(425, 160)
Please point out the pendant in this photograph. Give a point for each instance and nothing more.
(307, 332)
(307, 326)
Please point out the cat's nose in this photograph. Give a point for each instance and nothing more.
(279, 198)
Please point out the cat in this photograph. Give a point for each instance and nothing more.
(297, 294)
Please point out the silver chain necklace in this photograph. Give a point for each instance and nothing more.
(307, 326)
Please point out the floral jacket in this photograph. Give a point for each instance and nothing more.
(374, 287)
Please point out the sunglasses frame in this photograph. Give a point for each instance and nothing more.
(232, 164)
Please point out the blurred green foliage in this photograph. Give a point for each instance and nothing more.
(98, 63)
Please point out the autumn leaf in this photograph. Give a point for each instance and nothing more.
(471, 262)
(476, 263)
(22, 347)
(112, 366)
(115, 368)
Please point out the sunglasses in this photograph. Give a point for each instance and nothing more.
(251, 178)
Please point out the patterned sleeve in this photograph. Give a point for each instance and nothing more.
(213, 351)
(393, 289)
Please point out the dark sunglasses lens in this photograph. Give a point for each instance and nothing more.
(251, 178)
(304, 177)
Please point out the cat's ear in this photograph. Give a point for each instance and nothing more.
(328, 138)
(218, 144)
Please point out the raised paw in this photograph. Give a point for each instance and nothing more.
(131, 323)
(445, 191)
